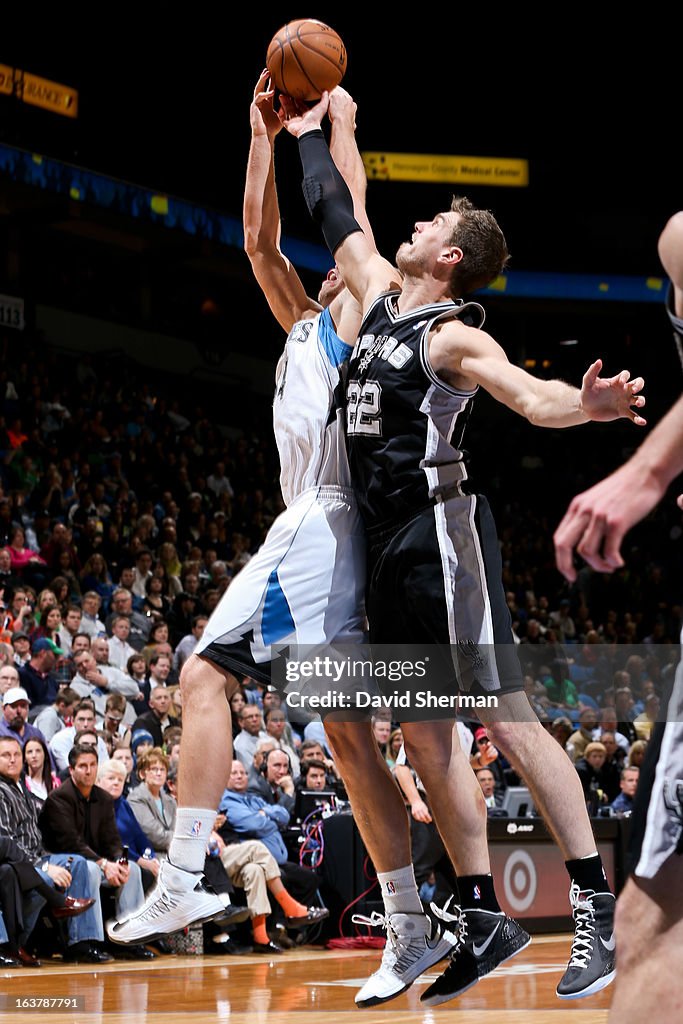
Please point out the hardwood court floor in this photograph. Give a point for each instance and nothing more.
(303, 986)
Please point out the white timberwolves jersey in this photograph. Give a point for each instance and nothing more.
(306, 583)
(308, 408)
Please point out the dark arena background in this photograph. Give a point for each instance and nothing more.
(138, 353)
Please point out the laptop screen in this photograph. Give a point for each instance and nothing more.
(309, 800)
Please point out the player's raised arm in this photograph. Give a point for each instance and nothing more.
(331, 205)
(344, 150)
(276, 276)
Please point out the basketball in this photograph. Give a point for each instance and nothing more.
(305, 58)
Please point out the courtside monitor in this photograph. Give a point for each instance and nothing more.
(518, 802)
(309, 800)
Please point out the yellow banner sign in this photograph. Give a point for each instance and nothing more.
(470, 170)
(41, 92)
(6, 79)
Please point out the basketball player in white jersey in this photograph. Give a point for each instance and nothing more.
(416, 366)
(649, 920)
(306, 584)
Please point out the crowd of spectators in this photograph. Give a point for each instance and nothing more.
(126, 512)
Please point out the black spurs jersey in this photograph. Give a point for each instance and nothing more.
(404, 425)
(676, 322)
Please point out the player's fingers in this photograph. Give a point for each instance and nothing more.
(591, 542)
(634, 416)
(287, 106)
(323, 103)
(263, 78)
(637, 384)
(679, 500)
(592, 373)
(611, 550)
(565, 538)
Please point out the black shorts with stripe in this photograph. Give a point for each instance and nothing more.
(435, 583)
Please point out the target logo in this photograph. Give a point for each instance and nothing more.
(520, 881)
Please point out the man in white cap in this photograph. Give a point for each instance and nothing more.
(15, 705)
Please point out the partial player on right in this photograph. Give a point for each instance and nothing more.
(649, 919)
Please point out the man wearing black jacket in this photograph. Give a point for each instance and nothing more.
(80, 816)
(19, 822)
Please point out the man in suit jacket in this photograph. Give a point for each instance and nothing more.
(274, 782)
(80, 816)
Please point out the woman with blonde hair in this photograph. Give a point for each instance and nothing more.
(636, 753)
(168, 557)
(46, 599)
(176, 708)
(393, 746)
(111, 776)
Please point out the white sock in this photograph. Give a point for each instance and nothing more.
(193, 826)
(399, 891)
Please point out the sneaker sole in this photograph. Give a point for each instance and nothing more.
(151, 936)
(435, 1000)
(597, 986)
(376, 1000)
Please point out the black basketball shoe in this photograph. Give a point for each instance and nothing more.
(486, 939)
(591, 965)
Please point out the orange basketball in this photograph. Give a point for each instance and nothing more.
(305, 58)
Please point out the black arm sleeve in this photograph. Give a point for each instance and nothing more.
(327, 195)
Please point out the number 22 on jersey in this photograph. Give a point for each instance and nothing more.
(363, 408)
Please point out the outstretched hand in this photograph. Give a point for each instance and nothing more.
(297, 118)
(262, 115)
(612, 398)
(597, 520)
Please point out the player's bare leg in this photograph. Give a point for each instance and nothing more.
(415, 942)
(180, 896)
(649, 927)
(558, 797)
(487, 936)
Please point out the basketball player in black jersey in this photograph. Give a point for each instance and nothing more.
(649, 922)
(434, 567)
